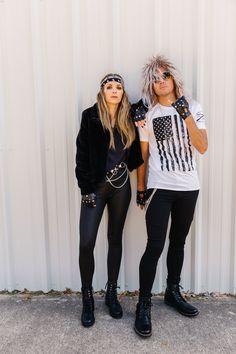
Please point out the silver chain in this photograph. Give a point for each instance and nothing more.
(114, 173)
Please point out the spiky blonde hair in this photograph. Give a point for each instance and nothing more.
(149, 72)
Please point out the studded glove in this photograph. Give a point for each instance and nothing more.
(141, 197)
(139, 113)
(182, 107)
(89, 200)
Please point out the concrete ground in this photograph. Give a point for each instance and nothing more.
(51, 324)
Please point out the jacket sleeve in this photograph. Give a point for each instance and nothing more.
(82, 169)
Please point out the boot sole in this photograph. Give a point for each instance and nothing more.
(142, 334)
(87, 325)
(182, 313)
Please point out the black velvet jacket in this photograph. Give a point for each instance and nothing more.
(92, 148)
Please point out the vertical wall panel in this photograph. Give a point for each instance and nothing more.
(52, 57)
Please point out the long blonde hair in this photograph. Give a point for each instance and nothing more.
(150, 70)
(124, 122)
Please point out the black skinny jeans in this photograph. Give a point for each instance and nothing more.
(180, 205)
(117, 201)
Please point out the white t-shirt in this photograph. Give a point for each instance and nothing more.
(171, 163)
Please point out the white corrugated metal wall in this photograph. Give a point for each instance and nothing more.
(52, 56)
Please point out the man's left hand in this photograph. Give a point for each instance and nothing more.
(182, 107)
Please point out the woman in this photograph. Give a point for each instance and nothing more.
(107, 146)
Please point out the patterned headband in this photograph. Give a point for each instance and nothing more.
(112, 77)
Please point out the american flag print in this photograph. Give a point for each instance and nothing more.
(173, 143)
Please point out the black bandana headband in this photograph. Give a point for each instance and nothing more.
(112, 77)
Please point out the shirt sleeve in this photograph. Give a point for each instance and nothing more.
(198, 115)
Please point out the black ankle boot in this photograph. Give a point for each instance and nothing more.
(87, 317)
(174, 298)
(112, 302)
(143, 324)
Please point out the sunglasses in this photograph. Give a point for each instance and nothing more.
(164, 76)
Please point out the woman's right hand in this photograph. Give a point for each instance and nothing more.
(139, 118)
(89, 200)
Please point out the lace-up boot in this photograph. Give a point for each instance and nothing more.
(112, 302)
(87, 317)
(143, 325)
(174, 298)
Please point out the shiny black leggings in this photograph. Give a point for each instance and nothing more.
(180, 205)
(117, 201)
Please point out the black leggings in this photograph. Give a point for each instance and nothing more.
(117, 201)
(180, 205)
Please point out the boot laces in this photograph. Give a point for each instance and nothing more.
(88, 305)
(178, 293)
(112, 292)
(145, 308)
(88, 299)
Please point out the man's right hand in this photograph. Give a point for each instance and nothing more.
(141, 198)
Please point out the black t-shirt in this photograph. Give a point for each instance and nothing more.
(117, 155)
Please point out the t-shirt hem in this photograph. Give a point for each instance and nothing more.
(179, 189)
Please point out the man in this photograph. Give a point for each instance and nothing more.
(174, 128)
